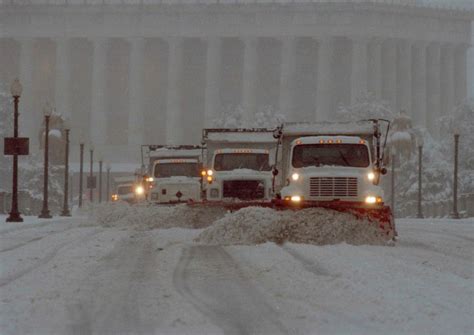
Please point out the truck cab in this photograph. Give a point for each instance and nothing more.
(340, 165)
(239, 164)
(176, 180)
(174, 174)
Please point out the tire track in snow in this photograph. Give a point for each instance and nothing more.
(309, 265)
(35, 239)
(211, 280)
(44, 260)
(112, 304)
(37, 225)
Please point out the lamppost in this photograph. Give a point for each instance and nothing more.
(91, 174)
(455, 213)
(47, 114)
(101, 159)
(392, 188)
(108, 182)
(15, 91)
(420, 167)
(67, 128)
(81, 170)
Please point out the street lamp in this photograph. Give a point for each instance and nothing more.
(67, 128)
(81, 167)
(15, 91)
(91, 174)
(47, 110)
(101, 160)
(455, 213)
(108, 167)
(420, 167)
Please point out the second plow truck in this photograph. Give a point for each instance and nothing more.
(174, 173)
(336, 166)
(238, 166)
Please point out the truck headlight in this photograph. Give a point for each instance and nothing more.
(296, 198)
(295, 176)
(373, 200)
(371, 176)
(139, 190)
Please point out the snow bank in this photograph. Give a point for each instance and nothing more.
(255, 225)
(144, 217)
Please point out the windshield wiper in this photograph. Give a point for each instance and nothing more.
(343, 158)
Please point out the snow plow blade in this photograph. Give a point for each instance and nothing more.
(377, 214)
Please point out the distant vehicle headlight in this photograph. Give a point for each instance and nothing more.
(295, 176)
(139, 190)
(150, 179)
(371, 176)
(210, 172)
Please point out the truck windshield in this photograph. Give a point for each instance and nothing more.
(126, 189)
(354, 155)
(165, 170)
(234, 161)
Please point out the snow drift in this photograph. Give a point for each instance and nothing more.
(144, 217)
(254, 225)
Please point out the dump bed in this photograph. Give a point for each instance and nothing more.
(152, 153)
(237, 138)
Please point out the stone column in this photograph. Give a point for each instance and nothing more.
(136, 118)
(324, 80)
(359, 79)
(63, 77)
(375, 68)
(174, 127)
(405, 77)
(460, 90)
(287, 77)
(249, 80)
(419, 84)
(389, 70)
(434, 88)
(30, 119)
(447, 78)
(213, 67)
(98, 117)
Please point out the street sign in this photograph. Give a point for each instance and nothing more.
(16, 146)
(91, 182)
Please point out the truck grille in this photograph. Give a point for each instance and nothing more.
(244, 189)
(333, 187)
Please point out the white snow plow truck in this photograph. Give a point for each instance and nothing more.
(333, 165)
(238, 165)
(126, 190)
(174, 173)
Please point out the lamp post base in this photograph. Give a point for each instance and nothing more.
(65, 213)
(45, 214)
(14, 217)
(454, 215)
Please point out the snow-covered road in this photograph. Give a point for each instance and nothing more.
(71, 276)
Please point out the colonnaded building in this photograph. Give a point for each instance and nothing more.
(128, 72)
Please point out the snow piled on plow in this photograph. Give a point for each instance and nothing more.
(247, 226)
(319, 226)
(143, 217)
